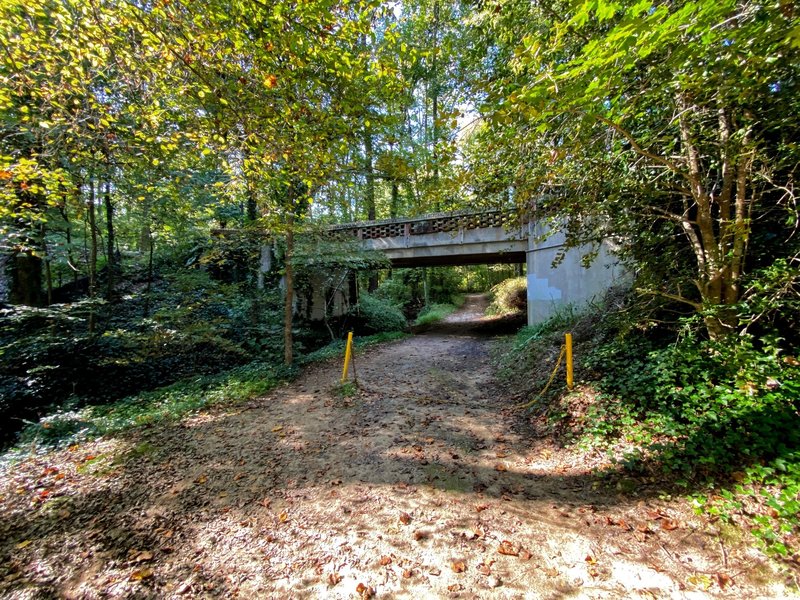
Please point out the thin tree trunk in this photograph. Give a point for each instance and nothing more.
(111, 264)
(92, 253)
(48, 272)
(369, 197)
(150, 246)
(288, 308)
(395, 203)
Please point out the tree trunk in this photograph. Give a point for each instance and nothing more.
(288, 307)
(369, 196)
(111, 264)
(150, 247)
(26, 279)
(92, 252)
(144, 231)
(48, 271)
(395, 203)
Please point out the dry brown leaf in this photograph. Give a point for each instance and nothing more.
(277, 428)
(408, 574)
(500, 467)
(23, 544)
(591, 560)
(481, 507)
(334, 578)
(455, 587)
(722, 580)
(283, 517)
(484, 569)
(385, 560)
(405, 518)
(143, 556)
(202, 479)
(365, 591)
(458, 566)
(524, 554)
(507, 548)
(668, 524)
(140, 574)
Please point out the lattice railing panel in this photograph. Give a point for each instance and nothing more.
(440, 223)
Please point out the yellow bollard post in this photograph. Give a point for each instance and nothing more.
(347, 353)
(569, 361)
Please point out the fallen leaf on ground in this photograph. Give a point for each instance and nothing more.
(385, 560)
(507, 548)
(455, 587)
(365, 591)
(334, 578)
(722, 580)
(277, 429)
(500, 467)
(590, 559)
(202, 479)
(524, 554)
(481, 507)
(140, 574)
(408, 574)
(405, 518)
(699, 580)
(143, 556)
(24, 544)
(458, 566)
(668, 524)
(484, 569)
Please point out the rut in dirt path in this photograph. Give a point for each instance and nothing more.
(419, 486)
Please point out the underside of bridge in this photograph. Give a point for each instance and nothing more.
(459, 260)
(496, 237)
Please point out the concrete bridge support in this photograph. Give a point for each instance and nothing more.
(552, 288)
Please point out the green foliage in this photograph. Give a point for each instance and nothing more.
(376, 315)
(522, 355)
(345, 390)
(169, 403)
(508, 297)
(395, 291)
(336, 348)
(666, 126)
(709, 406)
(433, 313)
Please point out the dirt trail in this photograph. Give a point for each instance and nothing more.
(425, 484)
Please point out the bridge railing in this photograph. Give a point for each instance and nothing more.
(430, 223)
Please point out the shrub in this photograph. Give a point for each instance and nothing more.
(395, 291)
(378, 315)
(509, 296)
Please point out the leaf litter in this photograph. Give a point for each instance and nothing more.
(398, 494)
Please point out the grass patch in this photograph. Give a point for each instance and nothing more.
(336, 348)
(72, 424)
(69, 426)
(434, 313)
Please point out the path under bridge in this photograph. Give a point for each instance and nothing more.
(491, 237)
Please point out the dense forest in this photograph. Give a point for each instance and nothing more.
(168, 169)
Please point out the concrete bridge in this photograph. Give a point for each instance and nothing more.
(490, 237)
